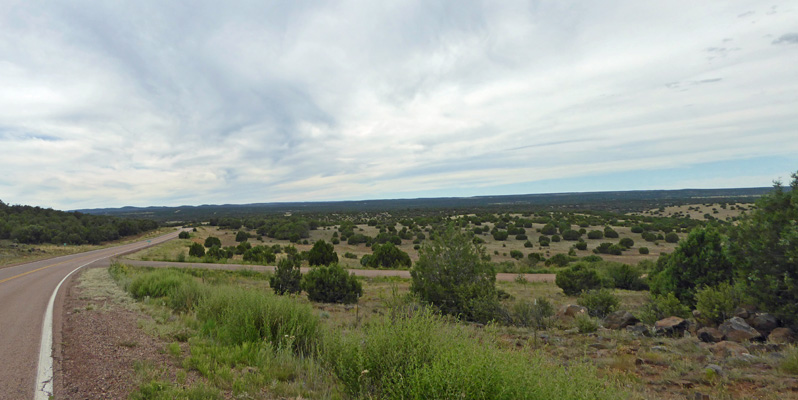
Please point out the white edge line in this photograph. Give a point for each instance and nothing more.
(44, 372)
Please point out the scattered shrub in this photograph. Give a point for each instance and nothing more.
(350, 255)
(586, 324)
(555, 238)
(452, 275)
(672, 237)
(516, 254)
(534, 315)
(388, 256)
(610, 233)
(578, 278)
(592, 258)
(626, 242)
(625, 276)
(660, 307)
(717, 303)
(183, 235)
(196, 250)
(331, 284)
(211, 241)
(571, 234)
(580, 245)
(528, 244)
(322, 253)
(599, 302)
(287, 278)
(559, 260)
(643, 250)
(595, 234)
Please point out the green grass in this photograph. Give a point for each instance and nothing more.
(245, 342)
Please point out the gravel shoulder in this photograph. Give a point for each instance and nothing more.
(101, 342)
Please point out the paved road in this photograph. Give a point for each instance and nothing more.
(360, 272)
(25, 292)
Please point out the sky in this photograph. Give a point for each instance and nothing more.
(153, 103)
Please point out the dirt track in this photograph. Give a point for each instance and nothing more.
(359, 272)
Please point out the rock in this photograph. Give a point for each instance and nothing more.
(764, 323)
(715, 367)
(572, 310)
(620, 319)
(782, 335)
(697, 315)
(737, 330)
(744, 311)
(727, 349)
(659, 348)
(639, 329)
(710, 335)
(670, 326)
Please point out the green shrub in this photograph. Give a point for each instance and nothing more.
(555, 238)
(350, 255)
(718, 303)
(196, 250)
(559, 260)
(581, 245)
(626, 242)
(419, 356)
(535, 314)
(672, 237)
(660, 307)
(571, 234)
(624, 276)
(388, 256)
(211, 241)
(322, 253)
(599, 302)
(331, 284)
(516, 254)
(578, 278)
(610, 233)
(183, 235)
(595, 234)
(592, 258)
(789, 364)
(586, 323)
(643, 250)
(528, 244)
(637, 229)
(451, 274)
(158, 283)
(287, 278)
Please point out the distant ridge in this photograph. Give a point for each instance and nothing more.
(616, 201)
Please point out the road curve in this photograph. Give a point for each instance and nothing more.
(25, 292)
(359, 272)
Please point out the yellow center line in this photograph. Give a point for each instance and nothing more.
(83, 258)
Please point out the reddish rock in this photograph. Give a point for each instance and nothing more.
(571, 310)
(782, 335)
(710, 335)
(728, 349)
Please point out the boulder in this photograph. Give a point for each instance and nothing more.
(620, 319)
(670, 326)
(764, 323)
(710, 335)
(782, 335)
(728, 349)
(744, 311)
(737, 330)
(571, 310)
(639, 329)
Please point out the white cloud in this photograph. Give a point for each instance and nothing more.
(203, 102)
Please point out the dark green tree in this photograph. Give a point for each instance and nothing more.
(764, 248)
(331, 284)
(699, 260)
(287, 278)
(452, 275)
(578, 278)
(213, 241)
(322, 253)
(196, 250)
(388, 256)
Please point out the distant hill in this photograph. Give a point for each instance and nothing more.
(621, 201)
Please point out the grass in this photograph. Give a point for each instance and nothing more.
(246, 341)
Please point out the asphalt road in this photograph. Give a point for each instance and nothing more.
(25, 292)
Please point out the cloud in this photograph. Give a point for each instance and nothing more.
(787, 38)
(175, 103)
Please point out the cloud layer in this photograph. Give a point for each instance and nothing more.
(155, 103)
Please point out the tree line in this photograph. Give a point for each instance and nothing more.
(36, 225)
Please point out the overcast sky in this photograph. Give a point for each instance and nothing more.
(105, 104)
